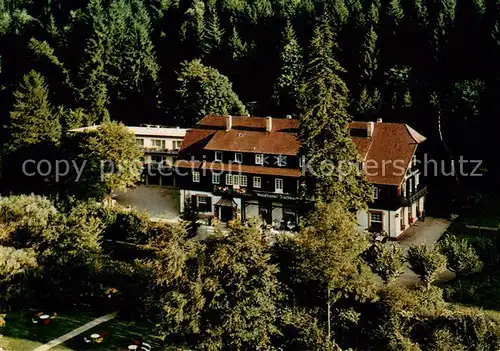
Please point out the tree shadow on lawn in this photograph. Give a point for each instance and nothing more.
(118, 335)
(19, 333)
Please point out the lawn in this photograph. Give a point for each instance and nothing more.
(20, 334)
(119, 334)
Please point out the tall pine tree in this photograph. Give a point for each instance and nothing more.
(330, 153)
(287, 86)
(32, 120)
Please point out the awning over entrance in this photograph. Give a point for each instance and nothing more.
(226, 203)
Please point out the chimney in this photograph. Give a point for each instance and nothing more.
(379, 120)
(229, 123)
(269, 124)
(369, 129)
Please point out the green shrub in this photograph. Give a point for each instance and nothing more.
(426, 262)
(460, 256)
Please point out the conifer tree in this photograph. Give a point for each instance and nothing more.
(369, 56)
(237, 45)
(214, 33)
(330, 153)
(287, 87)
(193, 28)
(32, 120)
(93, 75)
(393, 13)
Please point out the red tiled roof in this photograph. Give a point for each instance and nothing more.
(259, 123)
(236, 168)
(388, 153)
(195, 136)
(276, 143)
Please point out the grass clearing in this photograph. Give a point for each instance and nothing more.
(20, 334)
(119, 334)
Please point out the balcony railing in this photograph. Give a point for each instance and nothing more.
(159, 150)
(415, 195)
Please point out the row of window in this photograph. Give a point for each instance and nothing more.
(239, 180)
(260, 159)
(160, 143)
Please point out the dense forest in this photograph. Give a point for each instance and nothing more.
(431, 64)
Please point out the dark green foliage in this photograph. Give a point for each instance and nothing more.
(287, 87)
(127, 225)
(330, 153)
(387, 262)
(203, 90)
(32, 120)
(112, 160)
(426, 262)
(191, 216)
(460, 256)
(222, 292)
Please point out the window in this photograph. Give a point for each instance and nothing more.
(204, 204)
(236, 181)
(302, 161)
(218, 156)
(376, 221)
(375, 193)
(177, 144)
(257, 182)
(278, 185)
(238, 157)
(196, 177)
(243, 180)
(215, 178)
(259, 159)
(158, 143)
(280, 160)
(229, 179)
(140, 142)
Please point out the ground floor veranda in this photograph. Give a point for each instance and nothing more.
(279, 214)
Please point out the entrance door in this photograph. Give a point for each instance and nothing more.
(266, 213)
(226, 213)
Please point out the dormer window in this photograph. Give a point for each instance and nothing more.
(238, 157)
(259, 159)
(280, 160)
(218, 155)
(302, 161)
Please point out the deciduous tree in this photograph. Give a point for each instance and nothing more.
(426, 263)
(332, 257)
(387, 262)
(203, 90)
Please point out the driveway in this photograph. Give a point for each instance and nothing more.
(427, 233)
(158, 202)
